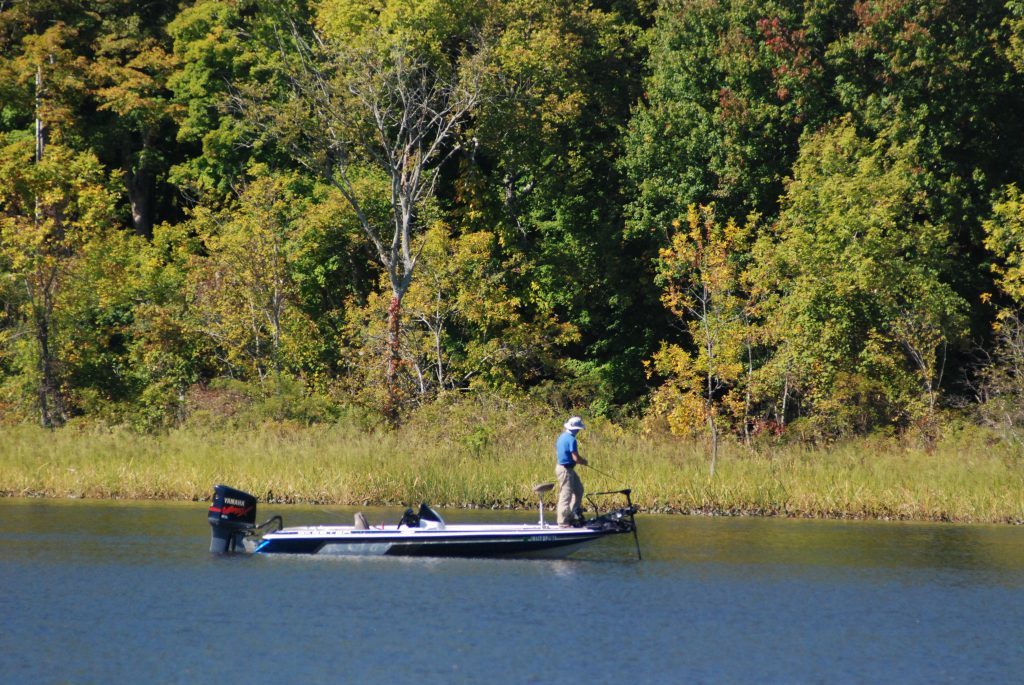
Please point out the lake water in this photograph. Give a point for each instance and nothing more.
(126, 592)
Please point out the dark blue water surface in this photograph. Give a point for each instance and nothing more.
(126, 592)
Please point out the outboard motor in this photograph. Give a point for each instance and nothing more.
(232, 516)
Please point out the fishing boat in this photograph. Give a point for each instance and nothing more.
(232, 517)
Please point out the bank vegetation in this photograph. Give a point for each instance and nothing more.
(466, 456)
(788, 235)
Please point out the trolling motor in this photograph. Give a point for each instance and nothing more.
(232, 517)
(619, 520)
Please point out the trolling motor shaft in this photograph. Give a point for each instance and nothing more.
(623, 519)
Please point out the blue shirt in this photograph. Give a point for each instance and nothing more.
(564, 448)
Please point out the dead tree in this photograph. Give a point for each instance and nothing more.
(393, 110)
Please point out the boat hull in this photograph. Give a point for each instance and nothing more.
(547, 543)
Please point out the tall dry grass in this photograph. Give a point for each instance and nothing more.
(456, 458)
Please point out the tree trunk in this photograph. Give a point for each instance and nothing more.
(713, 429)
(393, 361)
(437, 351)
(40, 125)
(709, 347)
(51, 401)
(44, 370)
(140, 193)
(51, 414)
(785, 401)
(747, 401)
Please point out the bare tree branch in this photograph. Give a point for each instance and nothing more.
(360, 106)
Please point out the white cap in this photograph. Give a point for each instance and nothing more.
(574, 424)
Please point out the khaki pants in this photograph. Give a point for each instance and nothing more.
(570, 493)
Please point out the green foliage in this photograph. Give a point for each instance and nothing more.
(735, 87)
(51, 212)
(1004, 237)
(244, 290)
(1014, 24)
(463, 328)
(235, 190)
(223, 48)
(732, 87)
(544, 176)
(1001, 387)
(862, 276)
(97, 80)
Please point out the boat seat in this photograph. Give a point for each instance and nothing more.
(429, 518)
(361, 523)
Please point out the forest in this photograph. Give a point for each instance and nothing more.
(733, 220)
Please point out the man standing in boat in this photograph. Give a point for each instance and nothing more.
(570, 487)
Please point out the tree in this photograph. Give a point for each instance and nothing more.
(700, 275)
(126, 346)
(221, 46)
(1001, 387)
(395, 111)
(1004, 238)
(865, 306)
(48, 209)
(545, 180)
(1013, 48)
(136, 117)
(246, 296)
(464, 326)
(732, 86)
(103, 79)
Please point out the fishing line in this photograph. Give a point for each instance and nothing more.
(606, 475)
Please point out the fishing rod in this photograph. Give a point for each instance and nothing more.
(599, 471)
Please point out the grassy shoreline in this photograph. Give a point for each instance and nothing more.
(864, 479)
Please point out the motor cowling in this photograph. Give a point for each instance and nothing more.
(232, 516)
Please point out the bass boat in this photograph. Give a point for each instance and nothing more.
(232, 516)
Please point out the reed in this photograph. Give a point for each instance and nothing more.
(452, 462)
